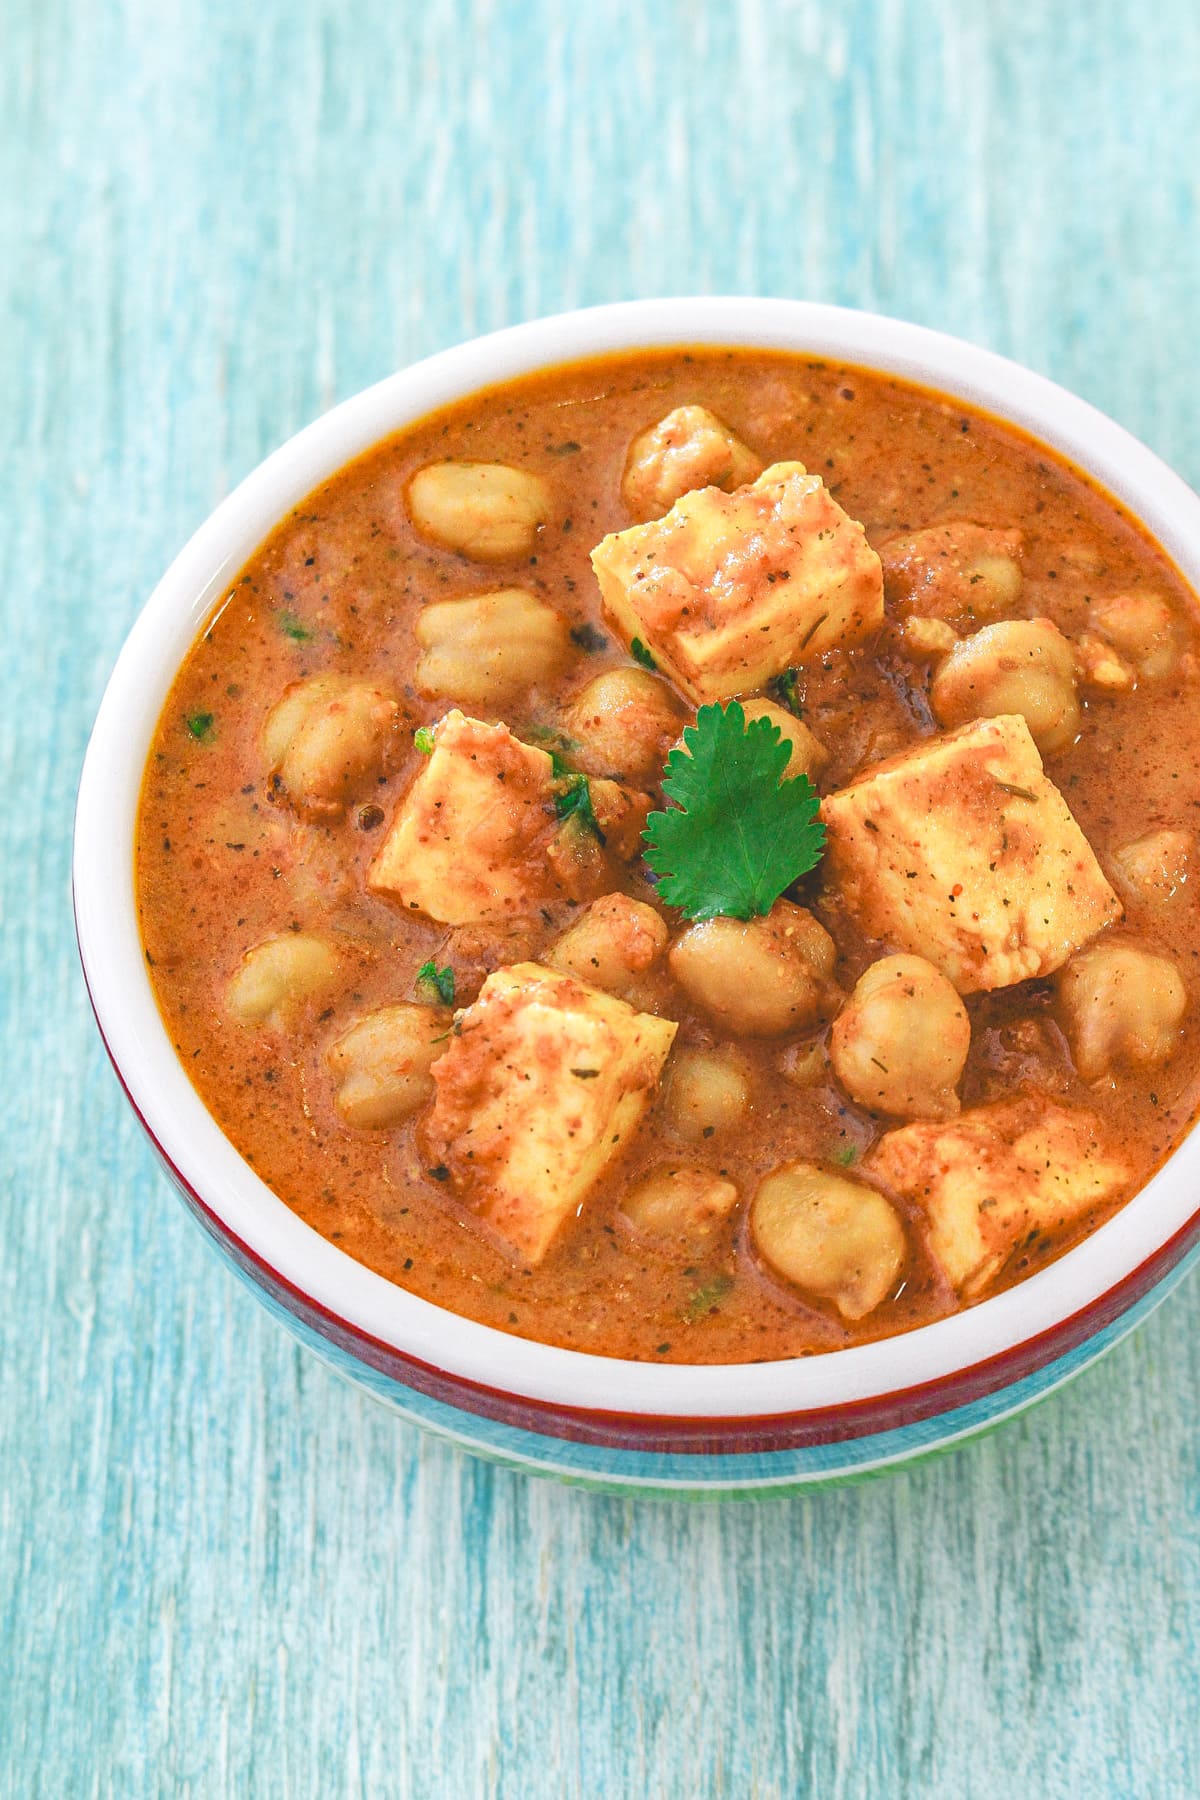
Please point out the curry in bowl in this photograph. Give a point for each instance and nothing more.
(685, 857)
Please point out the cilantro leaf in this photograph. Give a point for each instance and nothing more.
(199, 725)
(430, 980)
(640, 654)
(573, 799)
(294, 627)
(557, 745)
(738, 833)
(783, 688)
(423, 740)
(707, 1297)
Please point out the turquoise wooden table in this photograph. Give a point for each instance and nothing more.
(220, 1571)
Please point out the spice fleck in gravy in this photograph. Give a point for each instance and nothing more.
(398, 913)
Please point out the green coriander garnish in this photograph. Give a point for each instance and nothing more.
(434, 984)
(200, 725)
(707, 1297)
(573, 800)
(640, 654)
(294, 627)
(783, 688)
(738, 833)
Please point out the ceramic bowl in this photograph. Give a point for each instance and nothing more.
(698, 1432)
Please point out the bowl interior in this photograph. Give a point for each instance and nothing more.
(188, 1137)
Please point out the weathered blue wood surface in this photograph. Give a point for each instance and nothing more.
(220, 1572)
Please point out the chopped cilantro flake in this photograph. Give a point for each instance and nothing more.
(574, 799)
(432, 982)
(640, 654)
(200, 725)
(783, 689)
(295, 628)
(707, 1297)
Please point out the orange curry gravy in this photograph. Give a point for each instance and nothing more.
(221, 865)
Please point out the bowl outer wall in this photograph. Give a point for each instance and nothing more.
(982, 1347)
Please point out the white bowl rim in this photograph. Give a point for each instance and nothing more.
(172, 1109)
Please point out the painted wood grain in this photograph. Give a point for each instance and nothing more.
(221, 1573)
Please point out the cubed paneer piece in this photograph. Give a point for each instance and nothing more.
(961, 850)
(690, 448)
(488, 832)
(729, 589)
(992, 1180)
(963, 573)
(469, 841)
(543, 1083)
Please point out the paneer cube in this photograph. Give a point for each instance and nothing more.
(992, 1180)
(468, 843)
(962, 851)
(543, 1083)
(730, 589)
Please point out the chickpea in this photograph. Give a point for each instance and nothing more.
(899, 1044)
(758, 977)
(1120, 1005)
(612, 946)
(960, 572)
(1019, 666)
(926, 640)
(1154, 867)
(830, 1236)
(621, 815)
(1099, 666)
(577, 859)
(625, 722)
(808, 754)
(706, 1091)
(678, 1207)
(690, 448)
(806, 1064)
(381, 1064)
(1143, 628)
(326, 739)
(485, 649)
(277, 977)
(487, 511)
